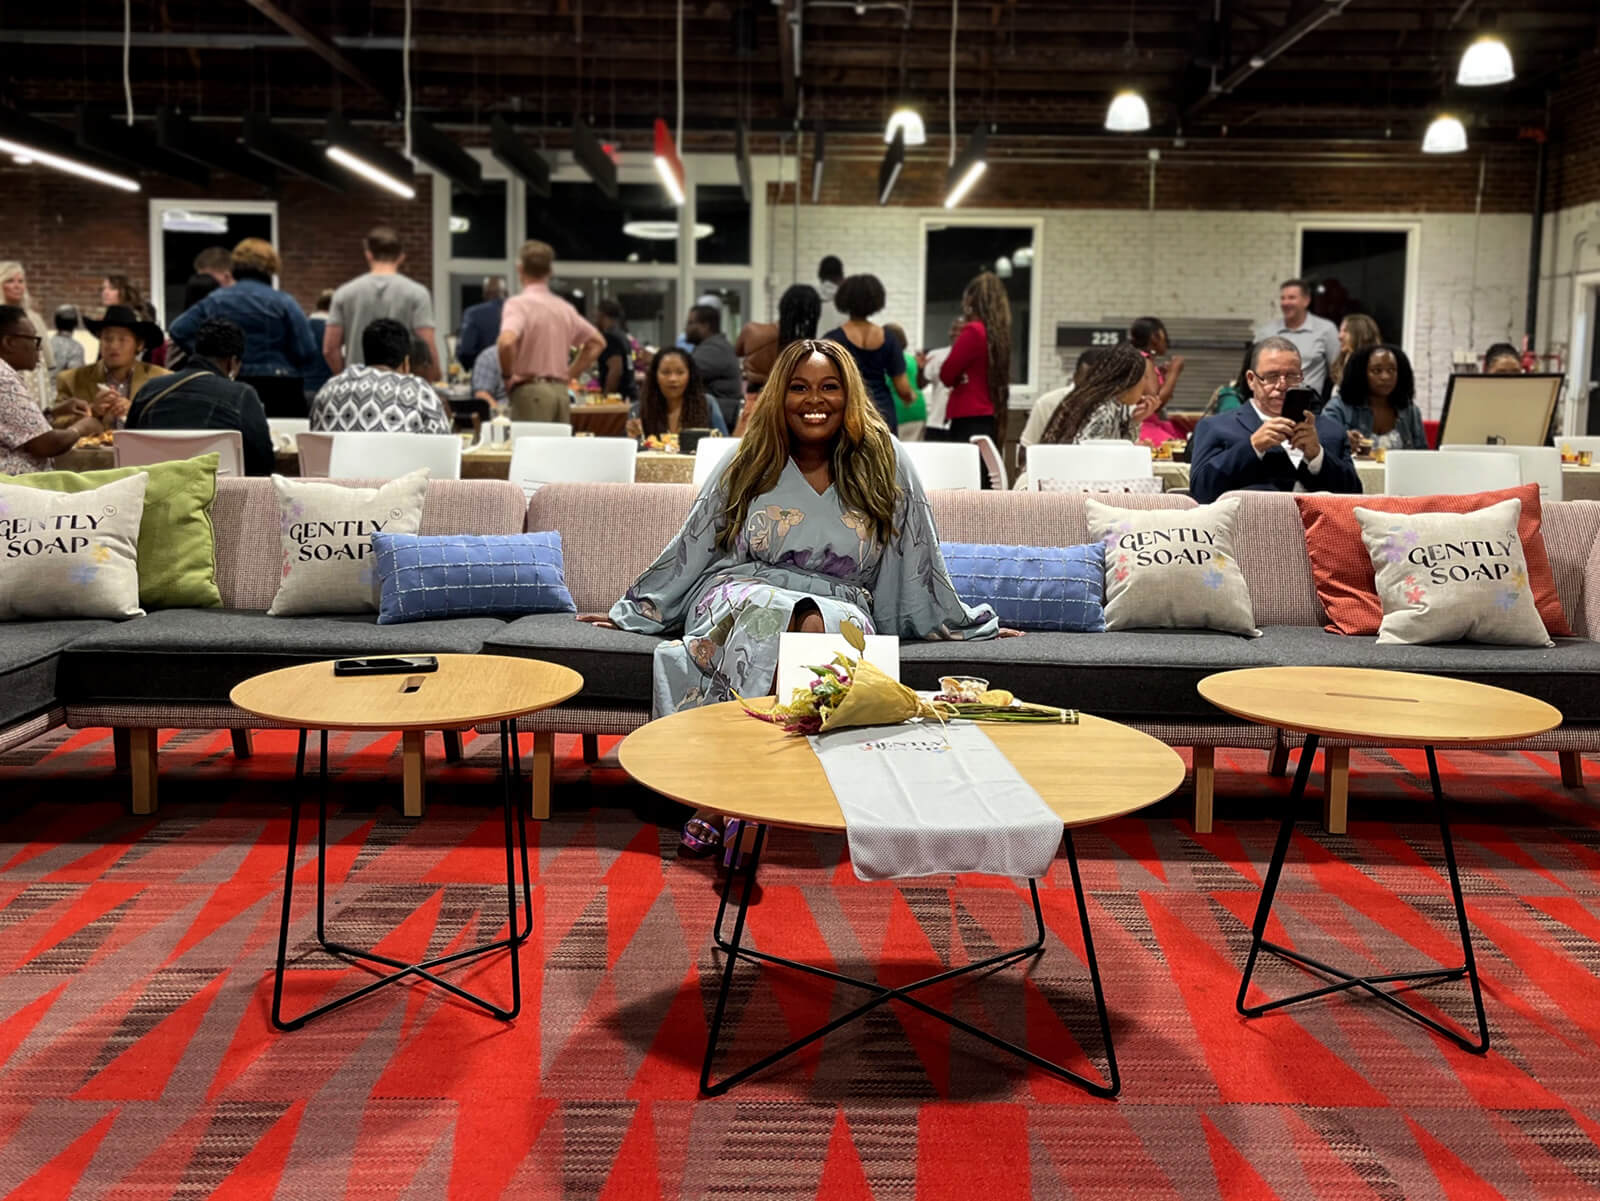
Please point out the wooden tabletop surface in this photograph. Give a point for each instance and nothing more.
(722, 759)
(1393, 708)
(465, 690)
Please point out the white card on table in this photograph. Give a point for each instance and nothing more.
(799, 653)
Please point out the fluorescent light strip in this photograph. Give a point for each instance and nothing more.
(69, 165)
(959, 192)
(669, 179)
(367, 171)
(888, 187)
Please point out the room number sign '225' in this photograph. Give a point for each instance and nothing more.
(1087, 335)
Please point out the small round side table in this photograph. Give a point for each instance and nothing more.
(465, 690)
(1385, 708)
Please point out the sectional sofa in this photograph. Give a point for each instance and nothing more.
(174, 668)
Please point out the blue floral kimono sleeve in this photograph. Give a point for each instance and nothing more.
(914, 597)
(661, 598)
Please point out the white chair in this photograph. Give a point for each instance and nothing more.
(1087, 461)
(315, 448)
(993, 462)
(540, 429)
(138, 448)
(1448, 472)
(709, 455)
(1540, 465)
(539, 461)
(286, 431)
(946, 465)
(387, 456)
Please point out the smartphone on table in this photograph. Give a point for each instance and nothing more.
(392, 665)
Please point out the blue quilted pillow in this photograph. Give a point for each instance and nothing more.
(422, 578)
(1033, 587)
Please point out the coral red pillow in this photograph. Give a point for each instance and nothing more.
(1343, 569)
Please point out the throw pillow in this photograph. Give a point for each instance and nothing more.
(1172, 568)
(1343, 569)
(1452, 577)
(326, 529)
(1033, 587)
(1142, 483)
(71, 554)
(460, 575)
(177, 542)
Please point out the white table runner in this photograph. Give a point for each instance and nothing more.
(920, 800)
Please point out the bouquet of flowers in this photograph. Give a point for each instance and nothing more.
(853, 692)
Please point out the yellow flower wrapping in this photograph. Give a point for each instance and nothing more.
(874, 699)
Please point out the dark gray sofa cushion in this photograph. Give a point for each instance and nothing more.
(1147, 674)
(197, 655)
(615, 665)
(1565, 675)
(30, 653)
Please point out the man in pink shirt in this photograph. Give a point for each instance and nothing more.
(538, 331)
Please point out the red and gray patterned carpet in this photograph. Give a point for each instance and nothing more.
(137, 1062)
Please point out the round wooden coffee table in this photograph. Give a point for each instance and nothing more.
(465, 690)
(720, 758)
(1383, 708)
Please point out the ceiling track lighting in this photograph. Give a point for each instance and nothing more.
(374, 163)
(265, 140)
(741, 158)
(179, 135)
(32, 153)
(1128, 113)
(817, 159)
(968, 167)
(668, 165)
(444, 156)
(511, 150)
(109, 138)
(1445, 136)
(894, 160)
(1485, 63)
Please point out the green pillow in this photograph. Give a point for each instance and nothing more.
(177, 542)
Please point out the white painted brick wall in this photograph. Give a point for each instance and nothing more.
(1098, 263)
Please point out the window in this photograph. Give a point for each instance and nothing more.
(478, 222)
(1358, 271)
(583, 225)
(953, 254)
(727, 214)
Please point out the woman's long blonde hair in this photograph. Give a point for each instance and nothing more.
(1364, 332)
(864, 463)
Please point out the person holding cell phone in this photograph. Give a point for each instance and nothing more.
(1277, 442)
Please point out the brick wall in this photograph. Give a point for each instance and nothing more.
(69, 234)
(1099, 263)
(1575, 136)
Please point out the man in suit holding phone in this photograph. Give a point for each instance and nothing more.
(1276, 442)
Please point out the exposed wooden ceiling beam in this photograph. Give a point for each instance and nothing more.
(319, 45)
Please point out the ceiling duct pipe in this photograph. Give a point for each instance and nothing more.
(1290, 34)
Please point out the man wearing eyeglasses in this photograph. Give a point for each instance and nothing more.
(1256, 446)
(27, 437)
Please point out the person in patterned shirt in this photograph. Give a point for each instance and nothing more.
(27, 437)
(382, 396)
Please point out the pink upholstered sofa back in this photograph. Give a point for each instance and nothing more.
(250, 555)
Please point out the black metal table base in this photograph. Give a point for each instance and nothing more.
(735, 951)
(1341, 979)
(510, 775)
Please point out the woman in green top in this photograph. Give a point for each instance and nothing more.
(1233, 393)
(912, 415)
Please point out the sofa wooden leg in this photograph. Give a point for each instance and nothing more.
(1205, 785)
(142, 767)
(1336, 789)
(452, 746)
(591, 748)
(1572, 769)
(411, 768)
(119, 749)
(243, 745)
(544, 767)
(1278, 761)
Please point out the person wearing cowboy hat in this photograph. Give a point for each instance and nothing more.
(110, 383)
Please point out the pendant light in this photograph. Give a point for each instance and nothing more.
(668, 165)
(908, 121)
(1445, 136)
(1485, 63)
(1128, 113)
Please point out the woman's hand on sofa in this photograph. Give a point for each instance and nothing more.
(598, 619)
(1007, 632)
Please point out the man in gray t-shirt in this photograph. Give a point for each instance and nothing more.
(1316, 338)
(381, 292)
